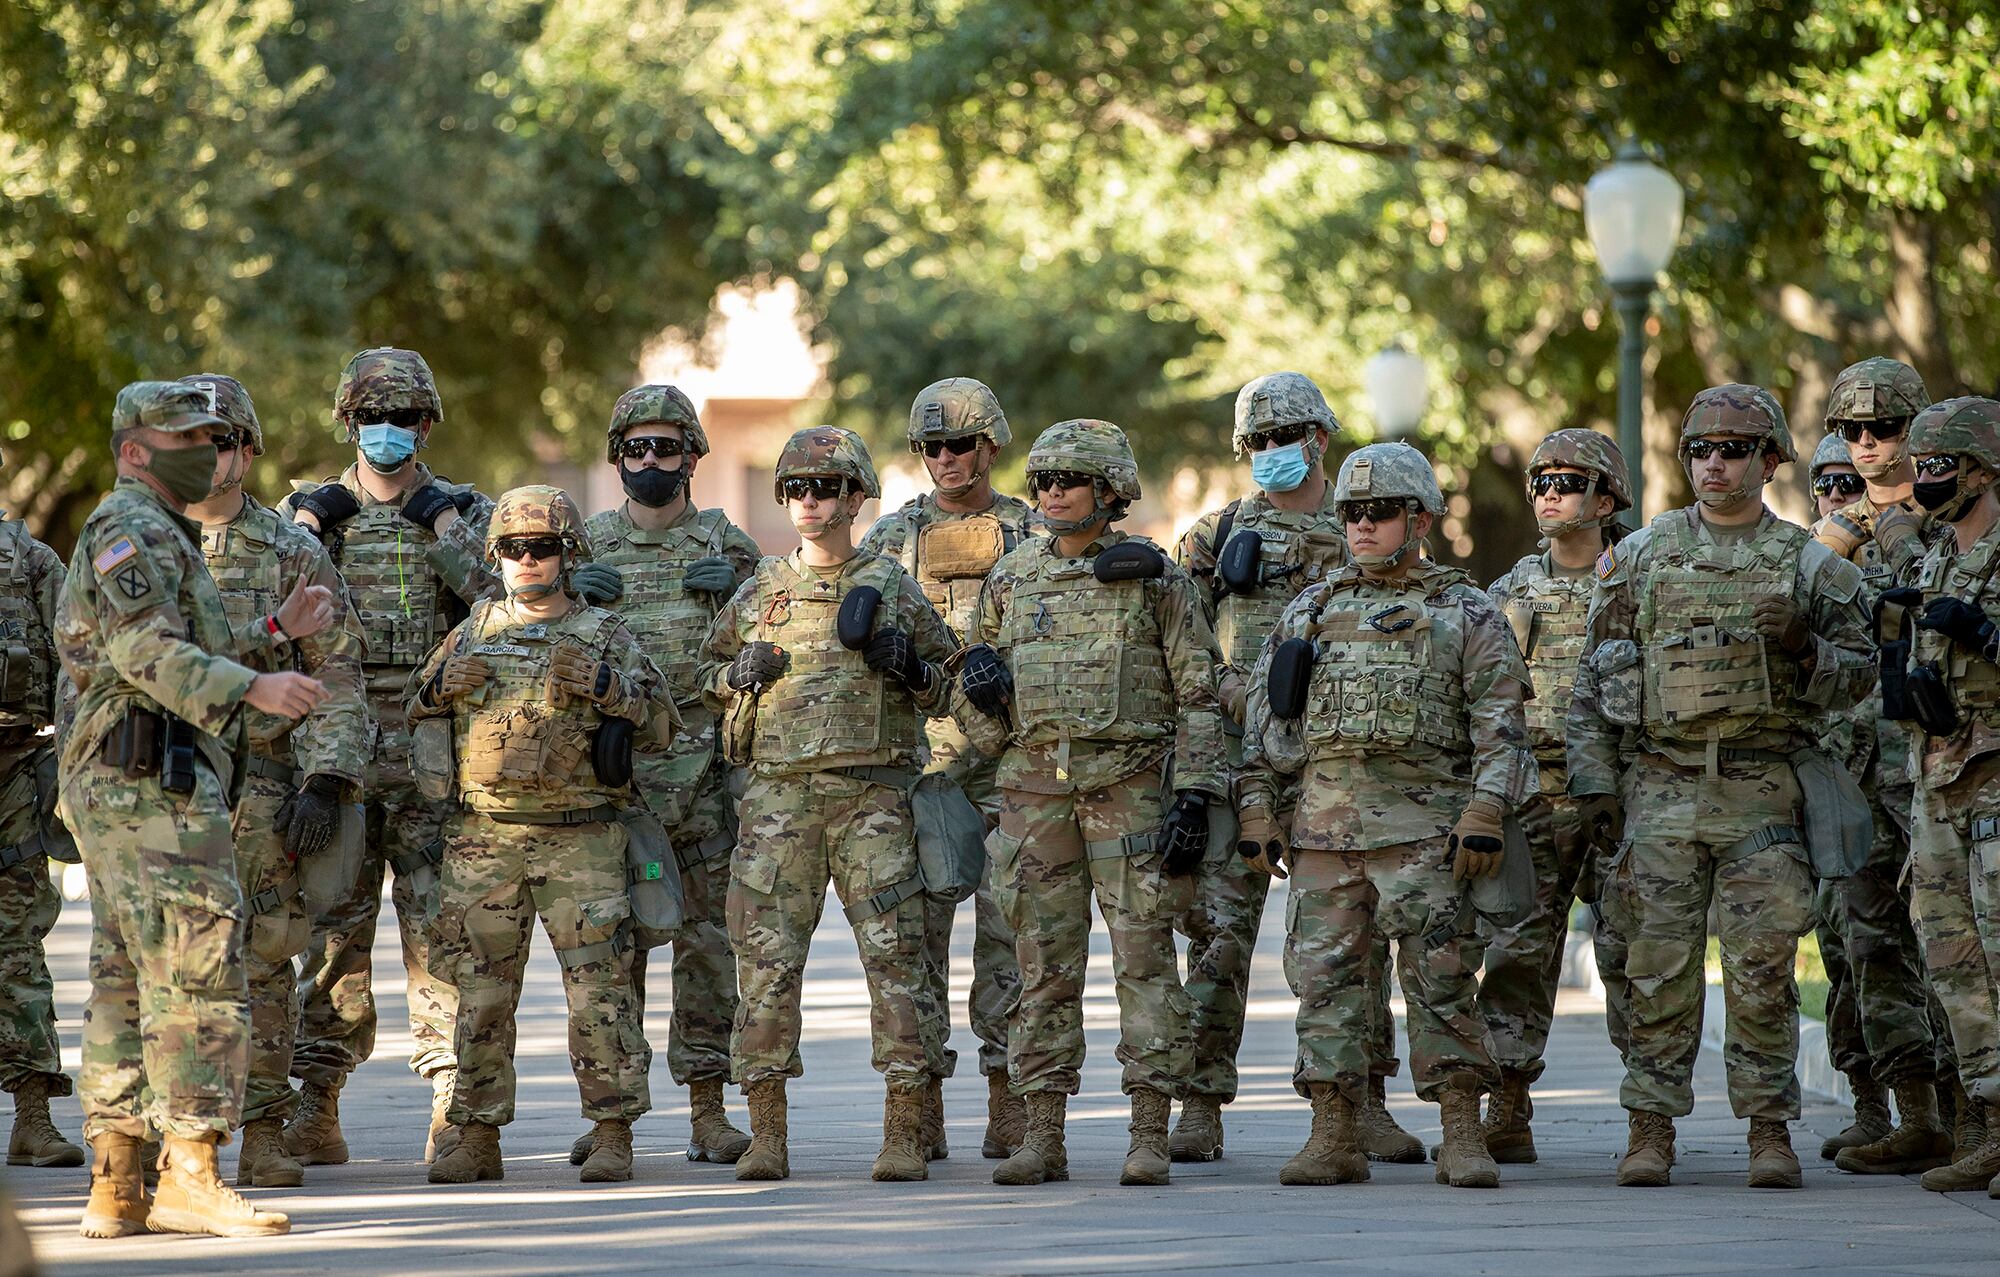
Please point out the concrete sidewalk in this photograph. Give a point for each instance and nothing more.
(1562, 1216)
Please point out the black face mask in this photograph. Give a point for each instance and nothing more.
(650, 487)
(1935, 494)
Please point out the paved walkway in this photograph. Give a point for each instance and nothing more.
(1563, 1216)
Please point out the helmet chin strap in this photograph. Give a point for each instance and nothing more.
(1391, 559)
(1961, 504)
(1553, 528)
(1880, 469)
(959, 490)
(1097, 511)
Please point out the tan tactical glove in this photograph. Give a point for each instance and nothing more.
(1233, 691)
(1781, 623)
(1895, 527)
(461, 675)
(1842, 533)
(572, 673)
(1476, 847)
(1260, 843)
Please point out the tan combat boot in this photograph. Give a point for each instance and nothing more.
(711, 1137)
(1919, 1142)
(579, 1152)
(767, 1157)
(1980, 1164)
(475, 1157)
(1041, 1157)
(313, 1135)
(1871, 1119)
(443, 1136)
(1649, 1151)
(1381, 1139)
(610, 1160)
(1146, 1161)
(118, 1203)
(193, 1199)
(1463, 1161)
(264, 1163)
(1968, 1125)
(1198, 1135)
(1509, 1138)
(931, 1136)
(902, 1157)
(1006, 1118)
(1332, 1154)
(1772, 1162)
(36, 1141)
(149, 1159)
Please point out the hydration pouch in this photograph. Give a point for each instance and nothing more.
(611, 752)
(1129, 561)
(951, 838)
(177, 759)
(1240, 566)
(856, 620)
(1839, 828)
(1291, 675)
(1893, 643)
(652, 879)
(433, 759)
(1508, 896)
(327, 877)
(1930, 700)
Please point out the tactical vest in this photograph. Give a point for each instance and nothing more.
(828, 703)
(25, 635)
(1291, 558)
(1087, 657)
(513, 741)
(404, 607)
(242, 557)
(1973, 680)
(1709, 675)
(950, 557)
(1387, 673)
(670, 621)
(1547, 616)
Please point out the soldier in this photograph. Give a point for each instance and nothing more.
(1283, 425)
(288, 610)
(1577, 484)
(535, 691)
(1099, 652)
(1951, 689)
(147, 767)
(669, 567)
(1723, 635)
(949, 540)
(829, 735)
(30, 1054)
(1410, 736)
(410, 547)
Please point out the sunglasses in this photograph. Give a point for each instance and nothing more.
(1731, 449)
(823, 489)
(1379, 510)
(518, 548)
(1828, 484)
(1885, 429)
(1282, 437)
(1058, 480)
(659, 445)
(1937, 467)
(231, 441)
(1566, 484)
(935, 448)
(407, 418)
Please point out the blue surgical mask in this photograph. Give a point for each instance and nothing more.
(1280, 469)
(387, 447)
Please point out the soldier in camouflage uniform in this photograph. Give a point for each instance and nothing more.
(511, 712)
(147, 767)
(289, 612)
(410, 547)
(667, 567)
(1948, 684)
(1098, 651)
(1283, 425)
(1411, 747)
(1577, 484)
(1723, 635)
(30, 1054)
(949, 540)
(829, 735)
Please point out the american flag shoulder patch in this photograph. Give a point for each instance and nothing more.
(114, 554)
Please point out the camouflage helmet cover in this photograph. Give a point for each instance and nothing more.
(1389, 470)
(1086, 446)
(1279, 399)
(385, 379)
(1832, 451)
(1577, 448)
(827, 452)
(1750, 412)
(954, 408)
(538, 510)
(1968, 426)
(228, 400)
(646, 405)
(1877, 389)
(170, 406)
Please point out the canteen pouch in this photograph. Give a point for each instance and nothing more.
(1290, 678)
(951, 838)
(1507, 897)
(652, 879)
(1893, 643)
(856, 620)
(1129, 561)
(1240, 565)
(1839, 828)
(433, 763)
(611, 752)
(328, 877)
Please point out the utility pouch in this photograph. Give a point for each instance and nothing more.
(960, 548)
(136, 741)
(652, 878)
(1291, 675)
(1839, 828)
(1240, 565)
(856, 620)
(611, 752)
(951, 838)
(433, 760)
(177, 756)
(1129, 561)
(1930, 700)
(16, 663)
(1508, 896)
(328, 877)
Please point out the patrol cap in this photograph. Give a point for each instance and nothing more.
(228, 399)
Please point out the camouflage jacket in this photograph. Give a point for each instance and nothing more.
(1958, 767)
(1298, 550)
(1879, 752)
(951, 579)
(1547, 610)
(31, 576)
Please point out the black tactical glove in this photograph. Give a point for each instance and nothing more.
(331, 504)
(426, 504)
(1184, 833)
(986, 681)
(757, 664)
(1965, 624)
(890, 651)
(1603, 818)
(310, 816)
(712, 575)
(599, 584)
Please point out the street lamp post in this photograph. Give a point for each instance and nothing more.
(1633, 213)
(1399, 390)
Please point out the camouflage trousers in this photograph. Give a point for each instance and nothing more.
(1221, 928)
(166, 1033)
(1050, 855)
(1342, 907)
(1517, 995)
(29, 906)
(1955, 885)
(276, 930)
(336, 993)
(1692, 841)
(497, 878)
(796, 833)
(996, 972)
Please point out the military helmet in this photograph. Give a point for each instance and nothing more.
(385, 379)
(1750, 412)
(1877, 389)
(538, 510)
(1832, 451)
(954, 408)
(228, 400)
(1085, 446)
(1389, 470)
(1279, 399)
(171, 406)
(1579, 449)
(1968, 426)
(644, 405)
(826, 452)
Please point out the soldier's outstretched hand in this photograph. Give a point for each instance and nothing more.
(307, 610)
(287, 695)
